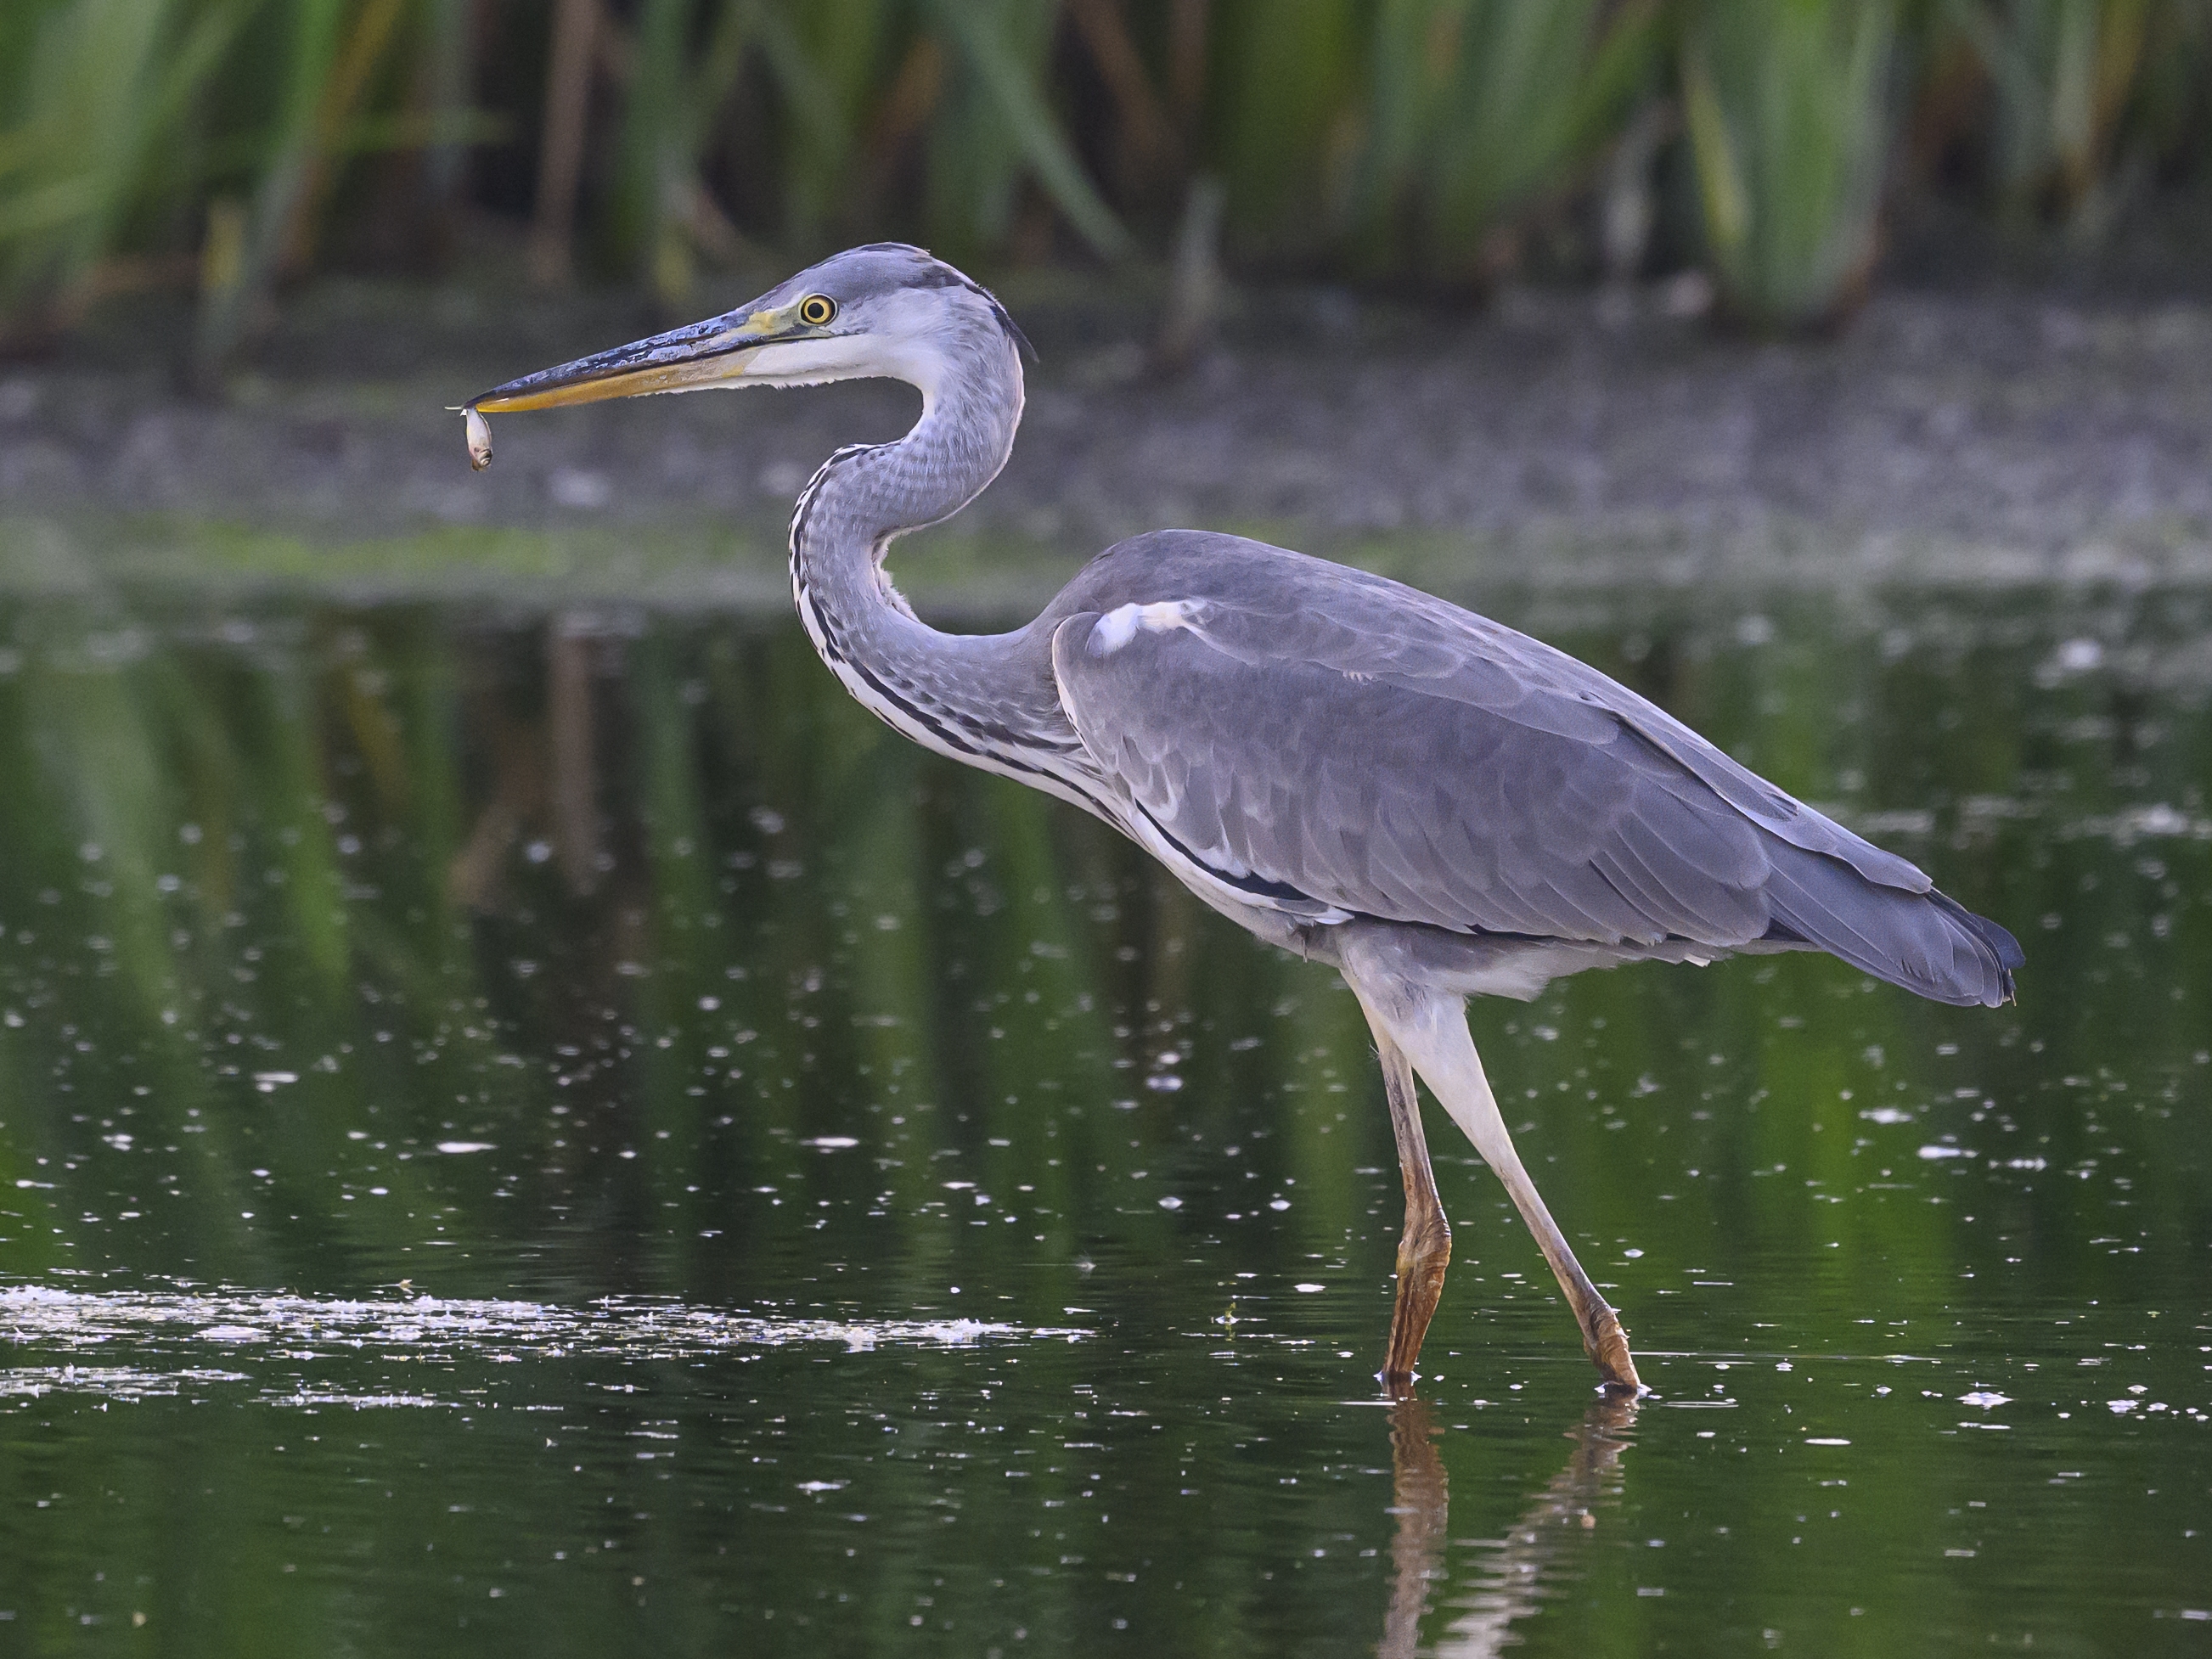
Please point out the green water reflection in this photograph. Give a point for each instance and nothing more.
(557, 1128)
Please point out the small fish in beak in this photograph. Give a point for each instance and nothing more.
(479, 430)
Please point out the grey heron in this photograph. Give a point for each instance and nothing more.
(1431, 803)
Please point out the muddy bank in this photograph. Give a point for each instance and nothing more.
(1553, 437)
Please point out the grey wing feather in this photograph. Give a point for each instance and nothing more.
(1328, 734)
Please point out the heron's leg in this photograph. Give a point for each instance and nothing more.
(1424, 1246)
(1603, 1340)
(1430, 1028)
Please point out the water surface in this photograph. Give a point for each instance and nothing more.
(554, 1128)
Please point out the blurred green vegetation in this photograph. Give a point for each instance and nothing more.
(1786, 107)
(225, 147)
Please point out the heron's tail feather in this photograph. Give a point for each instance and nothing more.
(1925, 942)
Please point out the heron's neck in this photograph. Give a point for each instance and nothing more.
(989, 700)
(863, 498)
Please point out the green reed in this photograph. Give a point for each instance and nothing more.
(2062, 71)
(1786, 110)
(95, 97)
(1475, 111)
(230, 147)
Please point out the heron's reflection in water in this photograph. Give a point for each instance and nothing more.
(1534, 1554)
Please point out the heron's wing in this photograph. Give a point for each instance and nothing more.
(1298, 729)
(1294, 608)
(1324, 737)
(1255, 744)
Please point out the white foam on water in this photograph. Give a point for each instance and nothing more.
(190, 1324)
(109, 1381)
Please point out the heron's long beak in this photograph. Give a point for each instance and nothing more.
(713, 353)
(697, 355)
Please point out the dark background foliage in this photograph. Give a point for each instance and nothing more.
(230, 148)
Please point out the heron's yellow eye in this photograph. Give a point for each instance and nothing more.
(817, 309)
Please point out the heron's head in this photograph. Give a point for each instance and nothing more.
(883, 311)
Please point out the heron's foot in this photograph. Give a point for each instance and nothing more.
(1420, 1287)
(1606, 1344)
